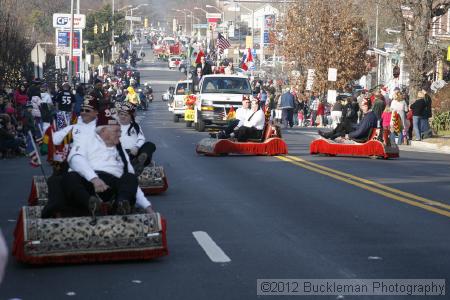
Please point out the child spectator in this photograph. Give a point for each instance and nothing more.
(386, 118)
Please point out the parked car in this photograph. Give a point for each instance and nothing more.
(182, 67)
(174, 61)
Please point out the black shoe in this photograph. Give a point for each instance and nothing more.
(221, 135)
(123, 207)
(213, 135)
(321, 133)
(95, 204)
(140, 163)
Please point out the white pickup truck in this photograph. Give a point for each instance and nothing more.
(217, 94)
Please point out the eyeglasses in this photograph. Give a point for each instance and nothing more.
(86, 110)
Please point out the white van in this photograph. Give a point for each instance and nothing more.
(218, 93)
(183, 88)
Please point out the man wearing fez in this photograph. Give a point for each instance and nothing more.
(100, 171)
(84, 129)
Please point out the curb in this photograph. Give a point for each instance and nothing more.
(421, 146)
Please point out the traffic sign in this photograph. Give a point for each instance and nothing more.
(134, 19)
(213, 16)
(64, 21)
(200, 26)
(332, 74)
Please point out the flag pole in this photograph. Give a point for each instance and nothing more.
(38, 154)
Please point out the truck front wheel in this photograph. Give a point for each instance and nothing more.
(201, 125)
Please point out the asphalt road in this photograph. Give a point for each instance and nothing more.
(301, 217)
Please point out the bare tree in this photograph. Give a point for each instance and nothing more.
(416, 22)
(325, 34)
(14, 48)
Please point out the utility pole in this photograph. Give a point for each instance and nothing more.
(112, 33)
(376, 29)
(70, 71)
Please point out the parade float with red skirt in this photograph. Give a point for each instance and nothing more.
(372, 147)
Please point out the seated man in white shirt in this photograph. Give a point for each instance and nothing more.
(101, 172)
(242, 113)
(84, 130)
(253, 125)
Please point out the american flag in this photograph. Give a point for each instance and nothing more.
(61, 120)
(222, 43)
(32, 151)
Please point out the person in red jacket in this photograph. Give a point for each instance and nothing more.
(20, 100)
(321, 113)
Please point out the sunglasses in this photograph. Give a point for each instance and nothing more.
(86, 110)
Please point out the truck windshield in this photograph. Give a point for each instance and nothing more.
(226, 85)
(183, 88)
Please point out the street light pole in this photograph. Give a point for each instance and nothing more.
(253, 22)
(131, 19)
(185, 20)
(192, 19)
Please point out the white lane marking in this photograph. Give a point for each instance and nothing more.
(374, 258)
(210, 247)
(163, 82)
(166, 69)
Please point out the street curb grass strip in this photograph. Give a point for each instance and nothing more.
(372, 186)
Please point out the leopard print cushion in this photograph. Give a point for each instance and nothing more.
(41, 189)
(152, 177)
(207, 145)
(65, 236)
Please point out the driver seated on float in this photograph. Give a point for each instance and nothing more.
(253, 126)
(242, 113)
(100, 171)
(349, 131)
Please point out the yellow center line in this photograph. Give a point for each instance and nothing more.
(370, 188)
(373, 183)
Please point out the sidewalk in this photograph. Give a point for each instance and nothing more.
(435, 145)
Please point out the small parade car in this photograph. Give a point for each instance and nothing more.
(136, 236)
(372, 147)
(270, 144)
